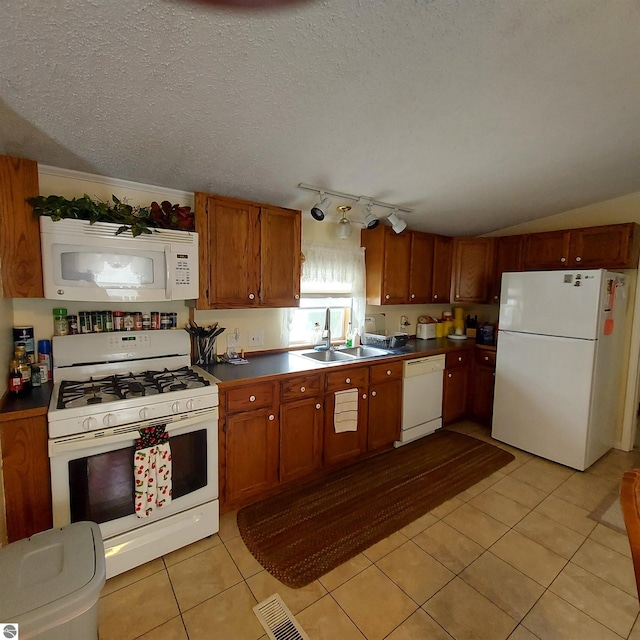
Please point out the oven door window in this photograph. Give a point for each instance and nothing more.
(101, 487)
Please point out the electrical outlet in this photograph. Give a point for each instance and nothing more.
(233, 338)
(256, 338)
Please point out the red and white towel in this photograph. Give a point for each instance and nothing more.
(152, 471)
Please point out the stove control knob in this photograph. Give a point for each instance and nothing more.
(143, 413)
(175, 407)
(189, 404)
(109, 420)
(89, 424)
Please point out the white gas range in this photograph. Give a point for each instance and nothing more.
(107, 388)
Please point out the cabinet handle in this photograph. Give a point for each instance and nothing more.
(318, 406)
(374, 394)
(578, 259)
(563, 259)
(387, 297)
(302, 389)
(251, 296)
(388, 372)
(252, 398)
(272, 417)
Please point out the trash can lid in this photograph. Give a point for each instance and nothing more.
(58, 573)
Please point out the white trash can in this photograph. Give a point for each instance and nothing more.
(50, 583)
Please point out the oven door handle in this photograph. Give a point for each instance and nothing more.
(58, 446)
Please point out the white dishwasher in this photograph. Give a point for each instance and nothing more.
(421, 397)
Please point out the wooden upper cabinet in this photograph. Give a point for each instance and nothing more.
(387, 257)
(604, 247)
(548, 250)
(442, 256)
(249, 254)
(421, 268)
(20, 255)
(507, 256)
(613, 246)
(472, 269)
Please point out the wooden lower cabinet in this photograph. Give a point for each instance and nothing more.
(251, 441)
(301, 424)
(455, 387)
(26, 476)
(385, 405)
(341, 447)
(483, 381)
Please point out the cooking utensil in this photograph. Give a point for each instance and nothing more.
(608, 323)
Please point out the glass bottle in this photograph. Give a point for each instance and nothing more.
(60, 324)
(24, 366)
(16, 384)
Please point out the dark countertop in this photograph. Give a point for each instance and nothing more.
(275, 364)
(35, 402)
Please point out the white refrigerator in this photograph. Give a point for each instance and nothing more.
(558, 364)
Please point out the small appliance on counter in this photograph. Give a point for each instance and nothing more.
(426, 328)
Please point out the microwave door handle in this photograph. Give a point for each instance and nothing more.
(167, 262)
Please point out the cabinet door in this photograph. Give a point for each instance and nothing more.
(606, 247)
(549, 250)
(233, 232)
(397, 253)
(280, 245)
(301, 424)
(20, 256)
(385, 414)
(27, 484)
(507, 256)
(421, 268)
(454, 397)
(472, 262)
(251, 456)
(442, 255)
(482, 386)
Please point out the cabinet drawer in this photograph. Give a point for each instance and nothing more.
(457, 359)
(485, 358)
(384, 372)
(347, 379)
(300, 387)
(251, 397)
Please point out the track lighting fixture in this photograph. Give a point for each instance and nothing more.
(319, 210)
(369, 219)
(397, 224)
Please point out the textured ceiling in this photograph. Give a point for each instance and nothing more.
(476, 114)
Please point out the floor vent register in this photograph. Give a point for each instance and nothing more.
(278, 621)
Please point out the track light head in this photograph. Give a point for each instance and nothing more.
(319, 210)
(397, 224)
(370, 221)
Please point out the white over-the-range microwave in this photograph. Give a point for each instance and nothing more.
(89, 262)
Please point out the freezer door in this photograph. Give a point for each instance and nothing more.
(554, 303)
(543, 395)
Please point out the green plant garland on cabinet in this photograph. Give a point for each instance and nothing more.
(138, 220)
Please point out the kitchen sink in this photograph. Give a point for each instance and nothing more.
(341, 355)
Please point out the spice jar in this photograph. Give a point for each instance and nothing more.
(60, 324)
(72, 325)
(118, 321)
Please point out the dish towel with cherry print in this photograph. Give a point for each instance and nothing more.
(152, 471)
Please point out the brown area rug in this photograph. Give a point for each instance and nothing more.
(307, 530)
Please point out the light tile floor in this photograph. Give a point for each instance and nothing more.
(515, 556)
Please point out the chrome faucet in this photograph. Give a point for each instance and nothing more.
(326, 334)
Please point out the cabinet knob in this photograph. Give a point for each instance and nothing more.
(303, 389)
(252, 398)
(435, 296)
(347, 380)
(450, 375)
(578, 259)
(486, 357)
(388, 372)
(364, 396)
(413, 295)
(387, 297)
(496, 298)
(457, 296)
(374, 394)
(271, 416)
(459, 358)
(318, 406)
(251, 296)
(296, 297)
(563, 259)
